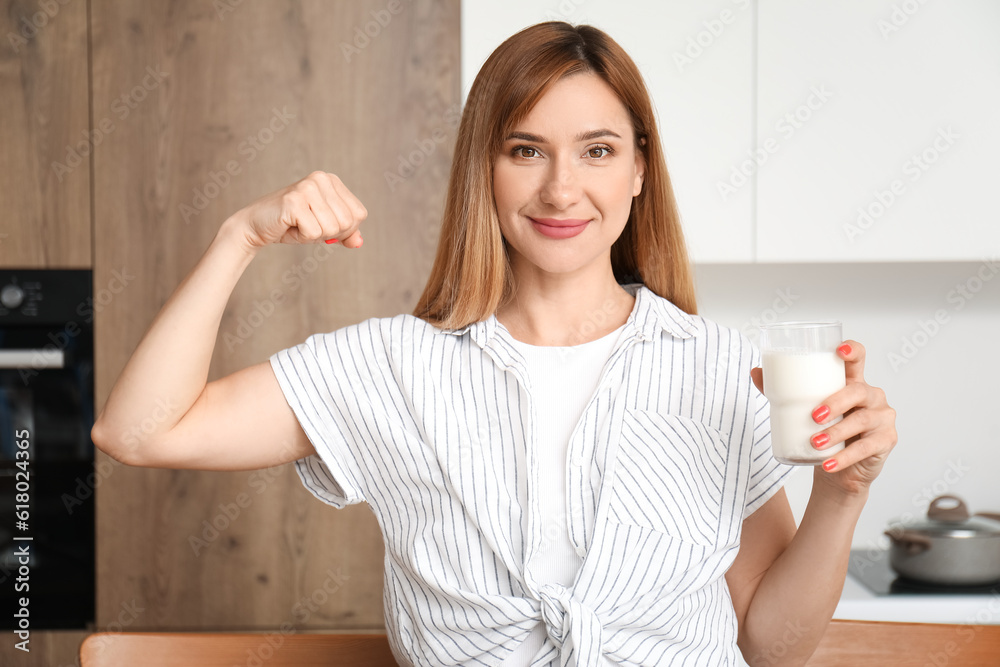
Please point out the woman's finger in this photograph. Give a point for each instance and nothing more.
(343, 217)
(757, 375)
(297, 213)
(857, 423)
(358, 209)
(853, 354)
(875, 446)
(325, 213)
(354, 240)
(855, 394)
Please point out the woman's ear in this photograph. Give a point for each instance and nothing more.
(640, 169)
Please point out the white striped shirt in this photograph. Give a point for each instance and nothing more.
(435, 430)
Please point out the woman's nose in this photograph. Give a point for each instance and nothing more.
(561, 188)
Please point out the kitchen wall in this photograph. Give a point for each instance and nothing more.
(930, 330)
(716, 70)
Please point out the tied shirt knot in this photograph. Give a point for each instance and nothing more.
(572, 626)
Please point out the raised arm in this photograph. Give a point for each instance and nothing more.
(162, 412)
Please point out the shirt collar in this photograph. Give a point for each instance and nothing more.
(651, 314)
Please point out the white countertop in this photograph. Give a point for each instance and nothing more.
(858, 603)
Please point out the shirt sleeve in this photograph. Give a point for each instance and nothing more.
(314, 381)
(767, 475)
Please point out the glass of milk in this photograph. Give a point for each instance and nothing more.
(801, 369)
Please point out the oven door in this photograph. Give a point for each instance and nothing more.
(46, 400)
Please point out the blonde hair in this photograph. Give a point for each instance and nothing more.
(471, 277)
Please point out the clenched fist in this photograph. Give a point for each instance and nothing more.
(319, 208)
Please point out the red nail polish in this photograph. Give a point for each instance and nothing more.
(821, 413)
(331, 241)
(820, 439)
(829, 464)
(844, 349)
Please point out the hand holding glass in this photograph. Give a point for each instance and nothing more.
(801, 369)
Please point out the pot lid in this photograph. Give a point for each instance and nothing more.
(948, 516)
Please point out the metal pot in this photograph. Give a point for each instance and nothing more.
(949, 547)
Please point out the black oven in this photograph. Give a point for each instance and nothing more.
(47, 479)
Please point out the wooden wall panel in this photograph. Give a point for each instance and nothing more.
(273, 90)
(44, 139)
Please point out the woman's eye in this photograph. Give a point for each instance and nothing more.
(598, 152)
(525, 151)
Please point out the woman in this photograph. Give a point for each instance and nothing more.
(568, 465)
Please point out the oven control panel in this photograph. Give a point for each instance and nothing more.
(44, 296)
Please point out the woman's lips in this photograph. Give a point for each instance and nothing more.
(559, 229)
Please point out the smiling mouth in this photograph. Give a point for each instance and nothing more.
(552, 222)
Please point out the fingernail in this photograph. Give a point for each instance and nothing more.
(821, 413)
(829, 464)
(820, 439)
(361, 242)
(331, 241)
(844, 349)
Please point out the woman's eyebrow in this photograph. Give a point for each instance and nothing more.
(583, 136)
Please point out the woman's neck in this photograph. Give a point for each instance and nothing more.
(564, 312)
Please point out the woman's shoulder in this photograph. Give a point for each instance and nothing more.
(699, 327)
(386, 328)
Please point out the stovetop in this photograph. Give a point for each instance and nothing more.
(871, 568)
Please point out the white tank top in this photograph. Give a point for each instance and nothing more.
(563, 380)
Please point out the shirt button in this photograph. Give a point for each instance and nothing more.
(577, 460)
(581, 552)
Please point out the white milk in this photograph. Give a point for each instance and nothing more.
(795, 383)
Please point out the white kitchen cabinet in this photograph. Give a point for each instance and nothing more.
(697, 59)
(898, 158)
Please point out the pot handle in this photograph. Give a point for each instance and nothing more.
(957, 513)
(913, 543)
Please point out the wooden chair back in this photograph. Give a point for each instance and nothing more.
(204, 649)
(845, 644)
(882, 644)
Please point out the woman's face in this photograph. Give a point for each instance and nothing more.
(564, 180)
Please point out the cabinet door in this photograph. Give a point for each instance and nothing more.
(45, 136)
(883, 121)
(697, 61)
